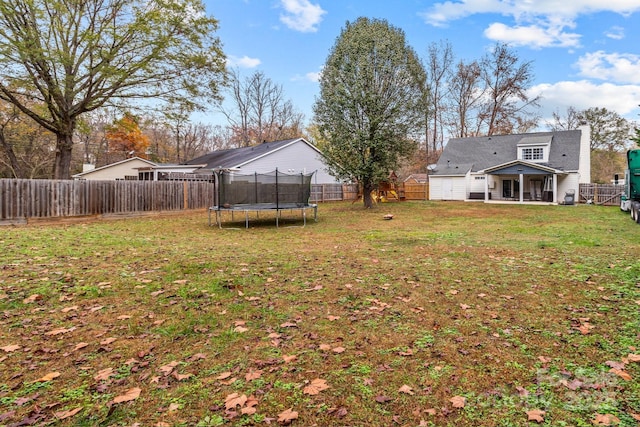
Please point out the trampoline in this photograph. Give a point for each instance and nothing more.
(257, 192)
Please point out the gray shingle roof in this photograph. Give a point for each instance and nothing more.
(462, 155)
(235, 157)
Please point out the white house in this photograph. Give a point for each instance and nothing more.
(292, 156)
(542, 166)
(124, 169)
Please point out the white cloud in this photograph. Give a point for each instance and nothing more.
(615, 32)
(537, 23)
(442, 13)
(244, 62)
(613, 67)
(583, 94)
(301, 15)
(533, 36)
(313, 77)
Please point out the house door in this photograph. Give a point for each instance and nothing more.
(447, 189)
(510, 188)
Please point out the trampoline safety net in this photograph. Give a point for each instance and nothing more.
(270, 190)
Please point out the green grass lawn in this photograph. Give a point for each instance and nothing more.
(450, 314)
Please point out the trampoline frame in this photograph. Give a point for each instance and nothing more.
(262, 207)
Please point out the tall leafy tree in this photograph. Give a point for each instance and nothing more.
(77, 56)
(372, 100)
(609, 130)
(125, 137)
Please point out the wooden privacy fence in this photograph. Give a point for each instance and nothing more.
(26, 198)
(21, 199)
(333, 192)
(415, 191)
(601, 194)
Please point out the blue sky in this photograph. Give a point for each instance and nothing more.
(585, 53)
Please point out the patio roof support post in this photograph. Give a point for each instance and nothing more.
(521, 187)
(486, 187)
(555, 188)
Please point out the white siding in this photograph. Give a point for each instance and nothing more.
(295, 158)
(585, 156)
(447, 188)
(115, 171)
(566, 183)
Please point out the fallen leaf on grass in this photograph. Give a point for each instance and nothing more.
(406, 389)
(535, 415)
(197, 356)
(66, 414)
(10, 348)
(103, 374)
(168, 368)
(31, 299)
(68, 309)
(181, 377)
(333, 318)
(234, 399)
(240, 329)
(287, 416)
(224, 376)
(605, 420)
(80, 345)
(59, 331)
(289, 357)
(50, 376)
(253, 375)
(131, 394)
(382, 399)
(622, 374)
(458, 401)
(338, 350)
(108, 341)
(633, 357)
(315, 387)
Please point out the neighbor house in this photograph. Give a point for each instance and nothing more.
(292, 156)
(124, 169)
(541, 166)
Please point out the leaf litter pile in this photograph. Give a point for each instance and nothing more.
(452, 314)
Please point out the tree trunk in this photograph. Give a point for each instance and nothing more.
(367, 188)
(62, 165)
(13, 160)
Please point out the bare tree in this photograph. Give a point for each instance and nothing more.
(440, 58)
(465, 95)
(507, 81)
(568, 122)
(259, 110)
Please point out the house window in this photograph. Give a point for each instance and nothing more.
(533, 153)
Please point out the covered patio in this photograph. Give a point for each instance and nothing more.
(521, 181)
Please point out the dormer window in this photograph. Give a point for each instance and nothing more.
(533, 154)
(534, 149)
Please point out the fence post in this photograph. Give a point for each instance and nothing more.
(185, 194)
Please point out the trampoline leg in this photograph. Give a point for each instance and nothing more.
(246, 219)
